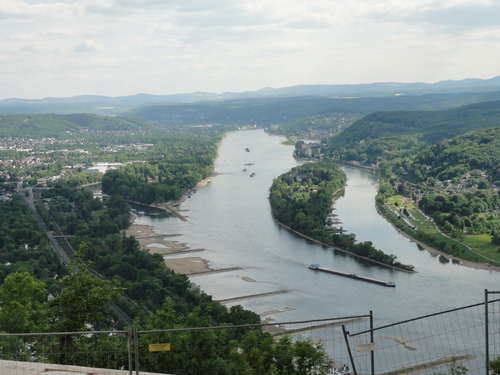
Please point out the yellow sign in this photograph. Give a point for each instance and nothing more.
(159, 347)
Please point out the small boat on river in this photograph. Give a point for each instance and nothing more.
(317, 267)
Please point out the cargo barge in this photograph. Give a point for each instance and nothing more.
(317, 267)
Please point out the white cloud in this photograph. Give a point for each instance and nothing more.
(167, 46)
(88, 46)
(469, 13)
(11, 9)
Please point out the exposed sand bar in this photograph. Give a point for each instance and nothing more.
(273, 312)
(164, 245)
(191, 266)
(184, 251)
(212, 271)
(399, 340)
(418, 368)
(280, 330)
(253, 296)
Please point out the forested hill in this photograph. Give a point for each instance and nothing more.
(50, 125)
(431, 126)
(473, 151)
(467, 91)
(270, 111)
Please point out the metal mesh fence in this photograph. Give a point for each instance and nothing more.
(195, 350)
(44, 353)
(189, 351)
(448, 342)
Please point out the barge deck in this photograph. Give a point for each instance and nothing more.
(317, 267)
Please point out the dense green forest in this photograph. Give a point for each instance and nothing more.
(474, 212)
(160, 182)
(57, 126)
(302, 200)
(173, 165)
(153, 295)
(474, 152)
(430, 126)
(24, 246)
(396, 136)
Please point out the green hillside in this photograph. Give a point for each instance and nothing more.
(429, 126)
(50, 125)
(277, 111)
(473, 151)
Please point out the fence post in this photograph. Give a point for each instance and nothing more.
(129, 346)
(349, 350)
(486, 332)
(372, 352)
(136, 347)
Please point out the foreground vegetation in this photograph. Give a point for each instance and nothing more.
(153, 296)
(302, 200)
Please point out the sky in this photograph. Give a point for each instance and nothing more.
(63, 48)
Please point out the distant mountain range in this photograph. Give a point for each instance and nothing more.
(105, 105)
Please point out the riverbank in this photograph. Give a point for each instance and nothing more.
(173, 206)
(173, 252)
(465, 263)
(343, 250)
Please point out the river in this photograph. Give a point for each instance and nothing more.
(231, 219)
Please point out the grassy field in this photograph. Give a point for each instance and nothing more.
(290, 141)
(482, 244)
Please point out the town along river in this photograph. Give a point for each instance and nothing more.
(231, 219)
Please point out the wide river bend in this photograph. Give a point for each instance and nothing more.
(231, 219)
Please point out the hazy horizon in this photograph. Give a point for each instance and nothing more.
(60, 48)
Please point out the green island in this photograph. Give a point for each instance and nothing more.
(301, 200)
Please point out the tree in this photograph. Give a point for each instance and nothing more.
(21, 304)
(82, 298)
(495, 240)
(495, 366)
(456, 369)
(260, 354)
